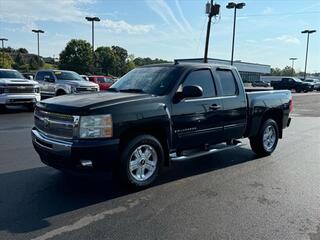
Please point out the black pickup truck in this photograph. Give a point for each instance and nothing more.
(157, 114)
(292, 83)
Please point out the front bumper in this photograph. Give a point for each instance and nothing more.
(14, 99)
(63, 154)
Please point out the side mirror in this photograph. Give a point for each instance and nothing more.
(192, 91)
(48, 79)
(30, 77)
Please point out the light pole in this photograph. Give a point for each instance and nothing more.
(236, 6)
(92, 20)
(3, 40)
(293, 59)
(306, 61)
(211, 10)
(38, 31)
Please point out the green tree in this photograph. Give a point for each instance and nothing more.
(287, 71)
(22, 50)
(19, 59)
(276, 71)
(36, 62)
(6, 60)
(105, 60)
(120, 66)
(77, 56)
(145, 61)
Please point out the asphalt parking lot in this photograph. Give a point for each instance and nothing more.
(229, 195)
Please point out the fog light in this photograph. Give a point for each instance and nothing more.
(86, 163)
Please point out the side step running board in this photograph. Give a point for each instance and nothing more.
(174, 157)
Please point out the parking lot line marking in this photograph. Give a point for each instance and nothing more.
(83, 222)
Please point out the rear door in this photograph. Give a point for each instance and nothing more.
(234, 103)
(50, 85)
(197, 121)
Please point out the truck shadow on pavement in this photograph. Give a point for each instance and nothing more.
(28, 197)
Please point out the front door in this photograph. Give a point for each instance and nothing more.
(198, 121)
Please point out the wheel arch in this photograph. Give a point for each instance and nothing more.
(160, 133)
(276, 115)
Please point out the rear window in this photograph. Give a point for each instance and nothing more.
(228, 82)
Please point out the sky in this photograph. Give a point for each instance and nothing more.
(267, 31)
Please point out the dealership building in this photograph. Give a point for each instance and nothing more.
(249, 71)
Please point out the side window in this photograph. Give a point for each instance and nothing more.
(50, 74)
(202, 78)
(228, 83)
(40, 76)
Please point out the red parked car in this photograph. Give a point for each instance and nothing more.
(104, 81)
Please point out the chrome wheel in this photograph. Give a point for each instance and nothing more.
(143, 162)
(269, 137)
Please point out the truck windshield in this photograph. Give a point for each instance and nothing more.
(60, 75)
(153, 80)
(10, 74)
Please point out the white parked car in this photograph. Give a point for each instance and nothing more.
(17, 90)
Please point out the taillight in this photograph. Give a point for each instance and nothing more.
(291, 104)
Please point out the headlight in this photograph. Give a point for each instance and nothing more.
(37, 90)
(97, 126)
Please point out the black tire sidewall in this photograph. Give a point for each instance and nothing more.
(125, 159)
(264, 126)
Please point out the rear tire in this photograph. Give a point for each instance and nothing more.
(267, 139)
(30, 107)
(2, 107)
(60, 93)
(140, 161)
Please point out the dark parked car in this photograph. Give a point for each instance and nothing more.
(260, 84)
(292, 84)
(157, 114)
(315, 82)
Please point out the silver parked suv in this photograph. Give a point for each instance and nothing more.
(60, 82)
(16, 90)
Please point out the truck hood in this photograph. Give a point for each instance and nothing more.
(77, 83)
(5, 81)
(81, 104)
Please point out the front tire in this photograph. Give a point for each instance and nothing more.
(267, 139)
(140, 161)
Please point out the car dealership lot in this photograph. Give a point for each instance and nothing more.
(229, 195)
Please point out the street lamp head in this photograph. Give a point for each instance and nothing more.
(91, 19)
(37, 31)
(308, 31)
(231, 5)
(293, 58)
(3, 39)
(235, 5)
(240, 5)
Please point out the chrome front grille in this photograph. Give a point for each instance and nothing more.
(19, 88)
(56, 125)
(87, 89)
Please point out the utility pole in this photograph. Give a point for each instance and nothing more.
(211, 10)
(38, 31)
(306, 61)
(293, 59)
(3, 40)
(236, 6)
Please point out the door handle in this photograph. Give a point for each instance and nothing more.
(215, 107)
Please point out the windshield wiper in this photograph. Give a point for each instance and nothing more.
(112, 90)
(135, 90)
